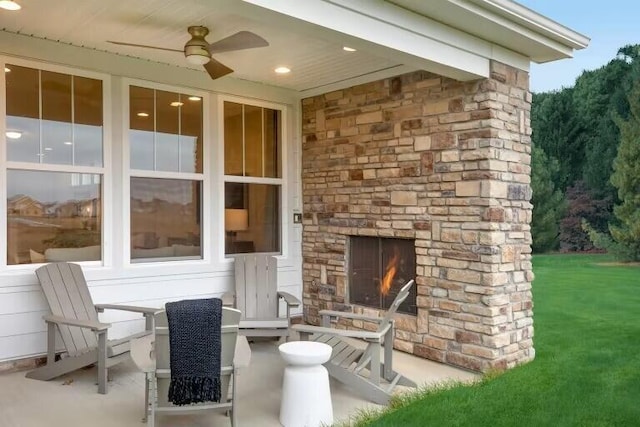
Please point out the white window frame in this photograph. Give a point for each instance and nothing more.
(128, 173)
(282, 181)
(104, 171)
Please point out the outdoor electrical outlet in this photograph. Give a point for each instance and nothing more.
(297, 218)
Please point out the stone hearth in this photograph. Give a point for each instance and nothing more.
(443, 162)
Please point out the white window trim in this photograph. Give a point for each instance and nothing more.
(105, 170)
(128, 173)
(282, 181)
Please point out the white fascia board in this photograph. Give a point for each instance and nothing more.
(560, 49)
(381, 29)
(436, 31)
(118, 65)
(539, 22)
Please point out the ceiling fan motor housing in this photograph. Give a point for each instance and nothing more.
(196, 50)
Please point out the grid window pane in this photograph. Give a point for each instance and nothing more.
(53, 118)
(253, 141)
(165, 131)
(233, 139)
(271, 123)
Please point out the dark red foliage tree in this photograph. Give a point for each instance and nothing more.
(581, 204)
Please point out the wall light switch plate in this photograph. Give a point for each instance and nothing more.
(297, 218)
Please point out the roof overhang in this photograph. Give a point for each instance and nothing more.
(453, 38)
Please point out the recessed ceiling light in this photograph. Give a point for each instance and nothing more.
(9, 5)
(282, 70)
(48, 149)
(177, 104)
(68, 143)
(142, 114)
(7, 69)
(12, 134)
(194, 98)
(348, 49)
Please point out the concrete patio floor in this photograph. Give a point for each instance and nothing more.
(72, 400)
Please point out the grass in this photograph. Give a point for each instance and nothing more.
(587, 366)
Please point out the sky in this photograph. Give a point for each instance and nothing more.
(610, 24)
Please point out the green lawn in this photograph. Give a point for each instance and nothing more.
(587, 366)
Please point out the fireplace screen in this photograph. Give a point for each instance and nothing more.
(378, 268)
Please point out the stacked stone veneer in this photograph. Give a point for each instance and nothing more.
(445, 163)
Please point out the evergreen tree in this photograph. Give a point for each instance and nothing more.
(626, 179)
(548, 201)
(557, 130)
(600, 96)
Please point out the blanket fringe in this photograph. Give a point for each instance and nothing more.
(188, 390)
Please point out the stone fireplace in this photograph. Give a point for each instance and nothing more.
(441, 164)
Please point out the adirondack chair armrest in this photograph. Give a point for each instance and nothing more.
(89, 324)
(289, 299)
(135, 309)
(348, 315)
(228, 299)
(374, 336)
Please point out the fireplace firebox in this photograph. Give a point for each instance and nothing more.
(378, 268)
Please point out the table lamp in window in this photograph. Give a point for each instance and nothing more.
(235, 220)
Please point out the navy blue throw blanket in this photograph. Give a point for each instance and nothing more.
(195, 345)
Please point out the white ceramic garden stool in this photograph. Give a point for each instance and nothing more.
(306, 397)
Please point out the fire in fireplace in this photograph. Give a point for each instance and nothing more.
(378, 268)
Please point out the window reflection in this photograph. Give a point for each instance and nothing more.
(165, 219)
(53, 216)
(58, 116)
(26, 148)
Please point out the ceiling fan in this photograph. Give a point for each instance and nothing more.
(199, 51)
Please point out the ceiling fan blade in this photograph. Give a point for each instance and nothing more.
(217, 69)
(145, 46)
(238, 41)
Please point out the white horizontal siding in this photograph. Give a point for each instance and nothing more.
(23, 346)
(23, 332)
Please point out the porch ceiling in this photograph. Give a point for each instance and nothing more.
(90, 23)
(392, 36)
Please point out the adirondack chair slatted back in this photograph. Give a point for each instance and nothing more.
(256, 277)
(402, 295)
(68, 296)
(230, 320)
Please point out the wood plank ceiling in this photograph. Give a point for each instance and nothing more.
(315, 62)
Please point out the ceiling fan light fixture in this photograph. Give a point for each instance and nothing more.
(197, 55)
(197, 49)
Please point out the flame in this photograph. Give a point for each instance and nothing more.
(390, 272)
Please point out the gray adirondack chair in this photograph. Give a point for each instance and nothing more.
(75, 316)
(257, 297)
(361, 368)
(152, 356)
